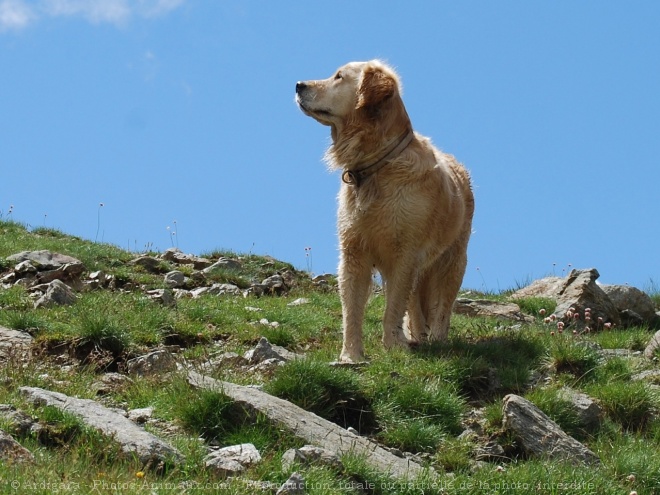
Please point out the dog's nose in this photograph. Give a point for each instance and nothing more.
(300, 86)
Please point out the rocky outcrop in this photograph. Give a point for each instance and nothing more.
(608, 305)
(493, 309)
(13, 452)
(12, 341)
(539, 436)
(635, 306)
(133, 440)
(57, 293)
(653, 346)
(156, 362)
(310, 427)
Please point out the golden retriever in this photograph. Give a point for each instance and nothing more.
(405, 208)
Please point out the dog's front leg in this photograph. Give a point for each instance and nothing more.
(354, 287)
(398, 285)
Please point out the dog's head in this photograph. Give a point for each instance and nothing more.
(356, 91)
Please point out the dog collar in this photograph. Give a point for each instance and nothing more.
(356, 177)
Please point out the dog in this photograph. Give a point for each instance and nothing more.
(405, 208)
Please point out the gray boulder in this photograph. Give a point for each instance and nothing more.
(635, 306)
(539, 436)
(13, 452)
(133, 440)
(295, 485)
(580, 292)
(157, 362)
(232, 460)
(57, 294)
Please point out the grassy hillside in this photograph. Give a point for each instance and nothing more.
(418, 402)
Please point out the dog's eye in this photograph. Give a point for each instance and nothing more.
(338, 76)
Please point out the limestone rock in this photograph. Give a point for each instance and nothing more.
(539, 436)
(588, 410)
(549, 288)
(652, 346)
(13, 340)
(13, 452)
(580, 292)
(141, 415)
(310, 454)
(19, 422)
(57, 294)
(483, 308)
(154, 363)
(232, 460)
(132, 439)
(175, 279)
(295, 485)
(44, 260)
(310, 427)
(149, 263)
(176, 256)
(223, 264)
(630, 300)
(265, 350)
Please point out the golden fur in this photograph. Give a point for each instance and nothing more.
(411, 219)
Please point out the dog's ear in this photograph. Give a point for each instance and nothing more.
(376, 86)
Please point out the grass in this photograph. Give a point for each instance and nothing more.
(415, 402)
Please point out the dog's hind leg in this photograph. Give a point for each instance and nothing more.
(446, 279)
(398, 285)
(414, 323)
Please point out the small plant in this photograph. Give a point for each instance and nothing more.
(559, 409)
(631, 404)
(332, 393)
(570, 356)
(210, 414)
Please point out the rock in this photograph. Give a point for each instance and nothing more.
(57, 294)
(483, 308)
(490, 452)
(176, 256)
(69, 271)
(588, 410)
(299, 302)
(223, 264)
(580, 292)
(295, 485)
(310, 454)
(312, 428)
(13, 341)
(549, 287)
(651, 376)
(149, 263)
(175, 279)
(44, 260)
(25, 269)
(652, 346)
(265, 350)
(133, 440)
(539, 436)
(157, 362)
(162, 296)
(110, 382)
(13, 452)
(275, 284)
(19, 422)
(142, 415)
(232, 460)
(632, 301)
(216, 290)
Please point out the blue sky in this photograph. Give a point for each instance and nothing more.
(178, 116)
